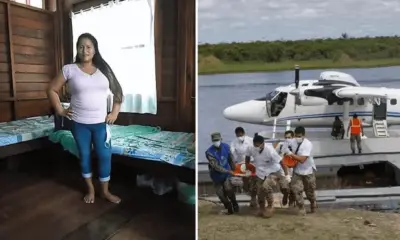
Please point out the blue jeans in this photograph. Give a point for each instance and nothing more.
(85, 135)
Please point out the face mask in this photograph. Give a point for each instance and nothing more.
(289, 140)
(258, 149)
(299, 140)
(241, 139)
(217, 143)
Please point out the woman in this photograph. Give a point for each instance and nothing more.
(89, 80)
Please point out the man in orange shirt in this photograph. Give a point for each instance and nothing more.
(355, 133)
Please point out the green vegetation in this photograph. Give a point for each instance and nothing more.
(309, 54)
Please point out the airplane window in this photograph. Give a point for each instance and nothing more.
(269, 96)
(351, 102)
(273, 94)
(305, 84)
(278, 103)
(360, 101)
(340, 102)
(393, 101)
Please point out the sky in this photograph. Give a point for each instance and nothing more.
(250, 20)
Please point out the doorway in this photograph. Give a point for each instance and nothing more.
(379, 112)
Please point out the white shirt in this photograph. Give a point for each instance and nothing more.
(239, 148)
(308, 166)
(283, 147)
(266, 162)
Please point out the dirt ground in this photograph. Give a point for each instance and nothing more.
(285, 225)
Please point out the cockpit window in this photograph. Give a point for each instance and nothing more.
(269, 96)
(273, 94)
(278, 103)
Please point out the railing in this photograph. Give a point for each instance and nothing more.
(288, 123)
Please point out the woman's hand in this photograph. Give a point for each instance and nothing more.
(65, 113)
(110, 119)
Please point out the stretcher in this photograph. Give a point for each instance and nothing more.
(242, 170)
(289, 161)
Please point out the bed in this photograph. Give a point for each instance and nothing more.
(137, 142)
(25, 135)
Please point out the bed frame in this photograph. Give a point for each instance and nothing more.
(11, 153)
(155, 168)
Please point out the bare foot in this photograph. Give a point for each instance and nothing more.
(89, 198)
(112, 198)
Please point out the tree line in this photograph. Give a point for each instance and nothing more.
(357, 49)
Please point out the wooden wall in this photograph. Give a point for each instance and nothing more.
(26, 60)
(175, 59)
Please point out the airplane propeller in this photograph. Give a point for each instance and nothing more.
(296, 91)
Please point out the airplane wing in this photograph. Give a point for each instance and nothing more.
(366, 92)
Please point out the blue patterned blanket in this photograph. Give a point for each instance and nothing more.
(26, 129)
(141, 142)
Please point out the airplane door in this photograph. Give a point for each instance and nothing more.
(379, 112)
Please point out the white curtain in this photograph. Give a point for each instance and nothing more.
(125, 33)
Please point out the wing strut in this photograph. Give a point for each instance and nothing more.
(346, 118)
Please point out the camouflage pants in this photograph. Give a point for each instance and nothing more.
(306, 183)
(265, 188)
(225, 192)
(250, 185)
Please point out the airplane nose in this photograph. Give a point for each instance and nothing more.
(250, 111)
(230, 113)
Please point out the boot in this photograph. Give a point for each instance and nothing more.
(261, 210)
(269, 212)
(313, 206)
(228, 206)
(285, 199)
(253, 202)
(235, 207)
(292, 200)
(302, 211)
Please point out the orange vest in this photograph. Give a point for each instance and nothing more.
(355, 126)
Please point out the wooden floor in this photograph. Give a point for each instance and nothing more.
(39, 202)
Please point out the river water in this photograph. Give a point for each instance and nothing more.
(216, 92)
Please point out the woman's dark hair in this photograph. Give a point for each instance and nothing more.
(103, 66)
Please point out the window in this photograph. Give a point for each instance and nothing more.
(393, 101)
(32, 3)
(137, 75)
(351, 102)
(360, 101)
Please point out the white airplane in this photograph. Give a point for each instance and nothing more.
(315, 103)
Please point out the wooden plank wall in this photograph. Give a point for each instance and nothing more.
(26, 60)
(175, 61)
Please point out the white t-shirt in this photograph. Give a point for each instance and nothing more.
(283, 146)
(308, 166)
(266, 162)
(239, 148)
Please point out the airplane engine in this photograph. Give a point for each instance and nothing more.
(310, 101)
